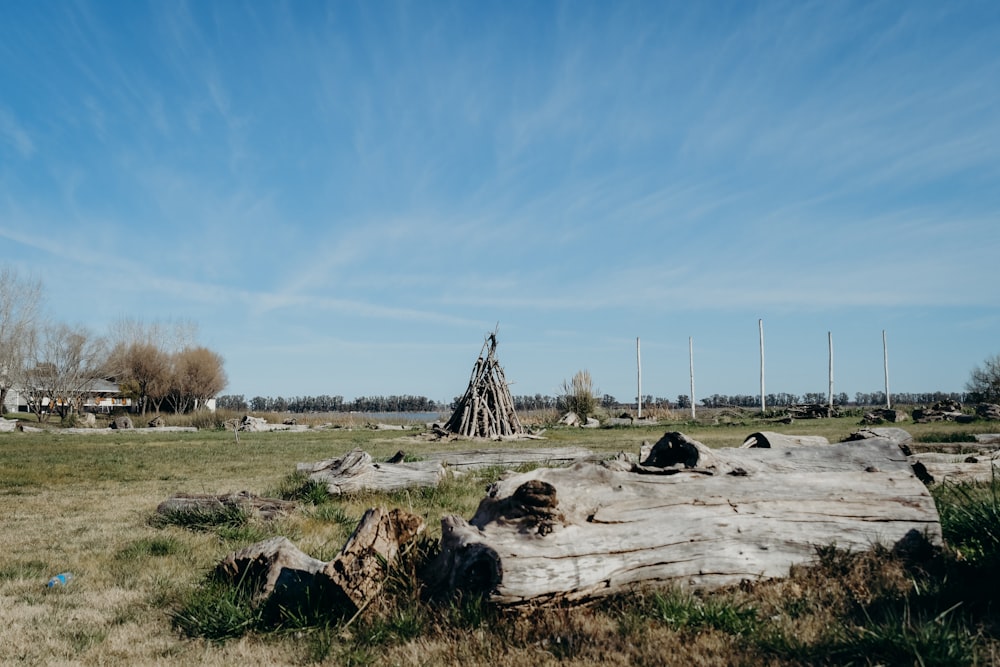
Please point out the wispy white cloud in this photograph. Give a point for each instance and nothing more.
(14, 134)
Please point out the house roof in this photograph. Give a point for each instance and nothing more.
(99, 386)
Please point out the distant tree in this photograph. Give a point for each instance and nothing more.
(63, 363)
(984, 381)
(142, 358)
(197, 374)
(236, 402)
(202, 374)
(19, 301)
(683, 401)
(145, 370)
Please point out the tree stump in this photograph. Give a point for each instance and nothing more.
(281, 576)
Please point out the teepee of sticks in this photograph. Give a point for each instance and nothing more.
(487, 408)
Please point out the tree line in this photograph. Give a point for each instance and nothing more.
(54, 366)
(409, 403)
(861, 399)
(326, 403)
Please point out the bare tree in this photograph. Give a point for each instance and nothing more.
(19, 301)
(984, 381)
(62, 364)
(198, 375)
(141, 359)
(146, 373)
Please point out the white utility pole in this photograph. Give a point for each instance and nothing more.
(760, 325)
(638, 363)
(885, 361)
(829, 337)
(691, 361)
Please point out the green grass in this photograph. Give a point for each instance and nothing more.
(141, 593)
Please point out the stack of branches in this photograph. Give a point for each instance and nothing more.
(487, 408)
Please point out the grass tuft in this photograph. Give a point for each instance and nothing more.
(217, 611)
(227, 516)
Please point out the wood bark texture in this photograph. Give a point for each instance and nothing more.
(280, 575)
(766, 439)
(202, 504)
(357, 471)
(686, 514)
(959, 468)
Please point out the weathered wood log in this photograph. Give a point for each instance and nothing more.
(358, 572)
(768, 439)
(204, 504)
(275, 571)
(955, 448)
(357, 471)
(898, 435)
(281, 576)
(713, 517)
(510, 458)
(959, 468)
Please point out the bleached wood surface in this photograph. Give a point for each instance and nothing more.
(510, 458)
(586, 531)
(279, 574)
(357, 471)
(766, 439)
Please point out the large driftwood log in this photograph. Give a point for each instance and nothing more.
(767, 439)
(204, 505)
(944, 467)
(710, 518)
(281, 576)
(357, 471)
(509, 458)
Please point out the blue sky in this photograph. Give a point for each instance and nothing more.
(346, 197)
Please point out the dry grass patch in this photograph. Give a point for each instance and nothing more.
(84, 504)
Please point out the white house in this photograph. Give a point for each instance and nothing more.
(101, 396)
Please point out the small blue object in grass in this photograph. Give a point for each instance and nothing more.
(60, 579)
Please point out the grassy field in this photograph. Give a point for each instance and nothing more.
(85, 504)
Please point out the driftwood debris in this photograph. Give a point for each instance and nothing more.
(486, 410)
(357, 471)
(281, 576)
(812, 411)
(710, 517)
(766, 439)
(204, 504)
(510, 458)
(958, 468)
(947, 410)
(883, 415)
(988, 411)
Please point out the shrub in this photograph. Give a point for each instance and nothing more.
(579, 395)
